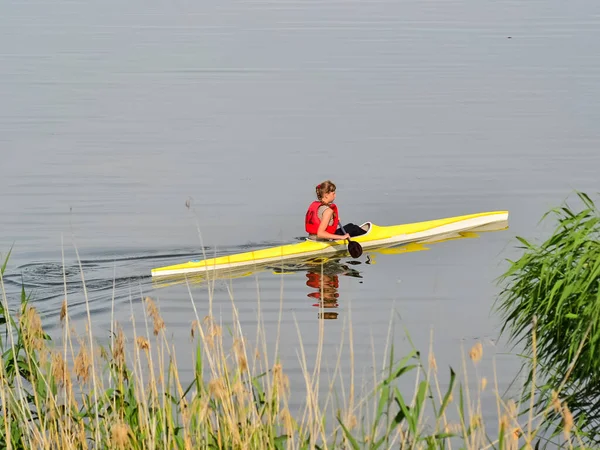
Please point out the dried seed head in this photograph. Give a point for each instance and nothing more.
(555, 401)
(504, 423)
(157, 320)
(280, 380)
(159, 324)
(203, 409)
(150, 305)
(351, 422)
(82, 435)
(216, 387)
(143, 343)
(63, 311)
(118, 350)
(476, 352)
(567, 421)
(212, 331)
(216, 331)
(432, 362)
(82, 363)
(44, 357)
(240, 355)
(288, 421)
(238, 346)
(243, 363)
(211, 325)
(120, 435)
(195, 326)
(239, 391)
(59, 368)
(483, 383)
(31, 327)
(516, 434)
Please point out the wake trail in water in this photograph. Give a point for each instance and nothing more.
(105, 275)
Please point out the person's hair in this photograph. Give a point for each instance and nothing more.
(323, 188)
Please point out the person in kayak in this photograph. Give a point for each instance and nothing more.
(322, 218)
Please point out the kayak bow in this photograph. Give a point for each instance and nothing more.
(375, 237)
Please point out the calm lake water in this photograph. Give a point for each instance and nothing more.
(114, 114)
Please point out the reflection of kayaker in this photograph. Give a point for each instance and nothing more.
(329, 283)
(322, 217)
(326, 291)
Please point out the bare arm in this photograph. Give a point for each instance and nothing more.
(321, 233)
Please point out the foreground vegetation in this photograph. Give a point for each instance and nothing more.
(129, 395)
(554, 287)
(75, 393)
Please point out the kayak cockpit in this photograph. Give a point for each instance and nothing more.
(367, 227)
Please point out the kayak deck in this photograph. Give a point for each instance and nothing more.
(376, 237)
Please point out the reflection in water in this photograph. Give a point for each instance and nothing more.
(325, 283)
(326, 292)
(322, 276)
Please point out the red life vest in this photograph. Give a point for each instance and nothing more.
(312, 220)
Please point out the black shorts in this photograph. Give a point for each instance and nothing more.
(351, 229)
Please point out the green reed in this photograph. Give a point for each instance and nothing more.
(554, 288)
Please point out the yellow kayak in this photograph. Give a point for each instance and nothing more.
(376, 236)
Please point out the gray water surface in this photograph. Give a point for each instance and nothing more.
(114, 114)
